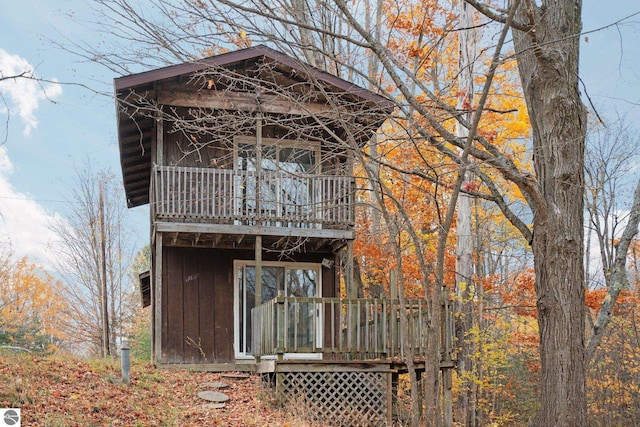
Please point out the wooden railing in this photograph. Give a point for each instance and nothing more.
(270, 198)
(349, 329)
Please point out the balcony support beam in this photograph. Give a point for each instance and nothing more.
(177, 227)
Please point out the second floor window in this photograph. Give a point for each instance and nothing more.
(294, 157)
(282, 184)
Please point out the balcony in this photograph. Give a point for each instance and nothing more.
(277, 203)
(340, 329)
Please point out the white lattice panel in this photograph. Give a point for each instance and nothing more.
(336, 398)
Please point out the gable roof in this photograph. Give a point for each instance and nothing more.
(135, 134)
(225, 59)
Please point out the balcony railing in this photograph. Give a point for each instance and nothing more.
(270, 198)
(348, 329)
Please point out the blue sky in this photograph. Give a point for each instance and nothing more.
(53, 136)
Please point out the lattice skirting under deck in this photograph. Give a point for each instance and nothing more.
(336, 398)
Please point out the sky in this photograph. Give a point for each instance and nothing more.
(48, 132)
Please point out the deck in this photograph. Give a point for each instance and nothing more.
(339, 329)
(228, 208)
(340, 358)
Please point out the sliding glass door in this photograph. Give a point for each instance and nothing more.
(294, 280)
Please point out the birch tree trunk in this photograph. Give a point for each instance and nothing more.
(464, 242)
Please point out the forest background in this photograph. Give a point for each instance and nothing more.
(501, 335)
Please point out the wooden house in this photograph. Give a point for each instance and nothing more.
(246, 160)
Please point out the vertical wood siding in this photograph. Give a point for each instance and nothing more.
(198, 301)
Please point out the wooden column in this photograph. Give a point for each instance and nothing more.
(156, 239)
(352, 291)
(258, 249)
(258, 164)
(393, 312)
(258, 245)
(157, 299)
(159, 137)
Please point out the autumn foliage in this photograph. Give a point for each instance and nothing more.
(57, 391)
(31, 310)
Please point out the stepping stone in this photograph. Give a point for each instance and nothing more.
(215, 384)
(213, 405)
(235, 376)
(213, 396)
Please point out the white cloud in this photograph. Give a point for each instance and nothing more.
(24, 221)
(22, 96)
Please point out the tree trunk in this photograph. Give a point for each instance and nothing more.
(547, 57)
(464, 239)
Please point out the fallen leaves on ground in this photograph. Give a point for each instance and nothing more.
(63, 391)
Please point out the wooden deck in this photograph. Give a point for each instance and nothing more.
(338, 329)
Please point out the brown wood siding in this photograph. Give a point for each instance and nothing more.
(154, 289)
(214, 149)
(205, 305)
(198, 301)
(191, 304)
(173, 319)
(221, 265)
(197, 307)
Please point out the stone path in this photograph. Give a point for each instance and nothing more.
(216, 398)
(213, 396)
(215, 384)
(235, 376)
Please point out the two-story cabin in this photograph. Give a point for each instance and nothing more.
(246, 161)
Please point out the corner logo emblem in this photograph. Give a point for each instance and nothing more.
(10, 417)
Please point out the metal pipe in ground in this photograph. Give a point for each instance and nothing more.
(125, 362)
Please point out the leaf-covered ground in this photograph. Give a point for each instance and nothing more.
(61, 391)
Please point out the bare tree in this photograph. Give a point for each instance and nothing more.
(613, 216)
(47, 89)
(81, 261)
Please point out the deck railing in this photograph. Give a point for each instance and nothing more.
(349, 329)
(270, 198)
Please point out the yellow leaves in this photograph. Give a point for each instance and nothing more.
(614, 376)
(240, 40)
(30, 305)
